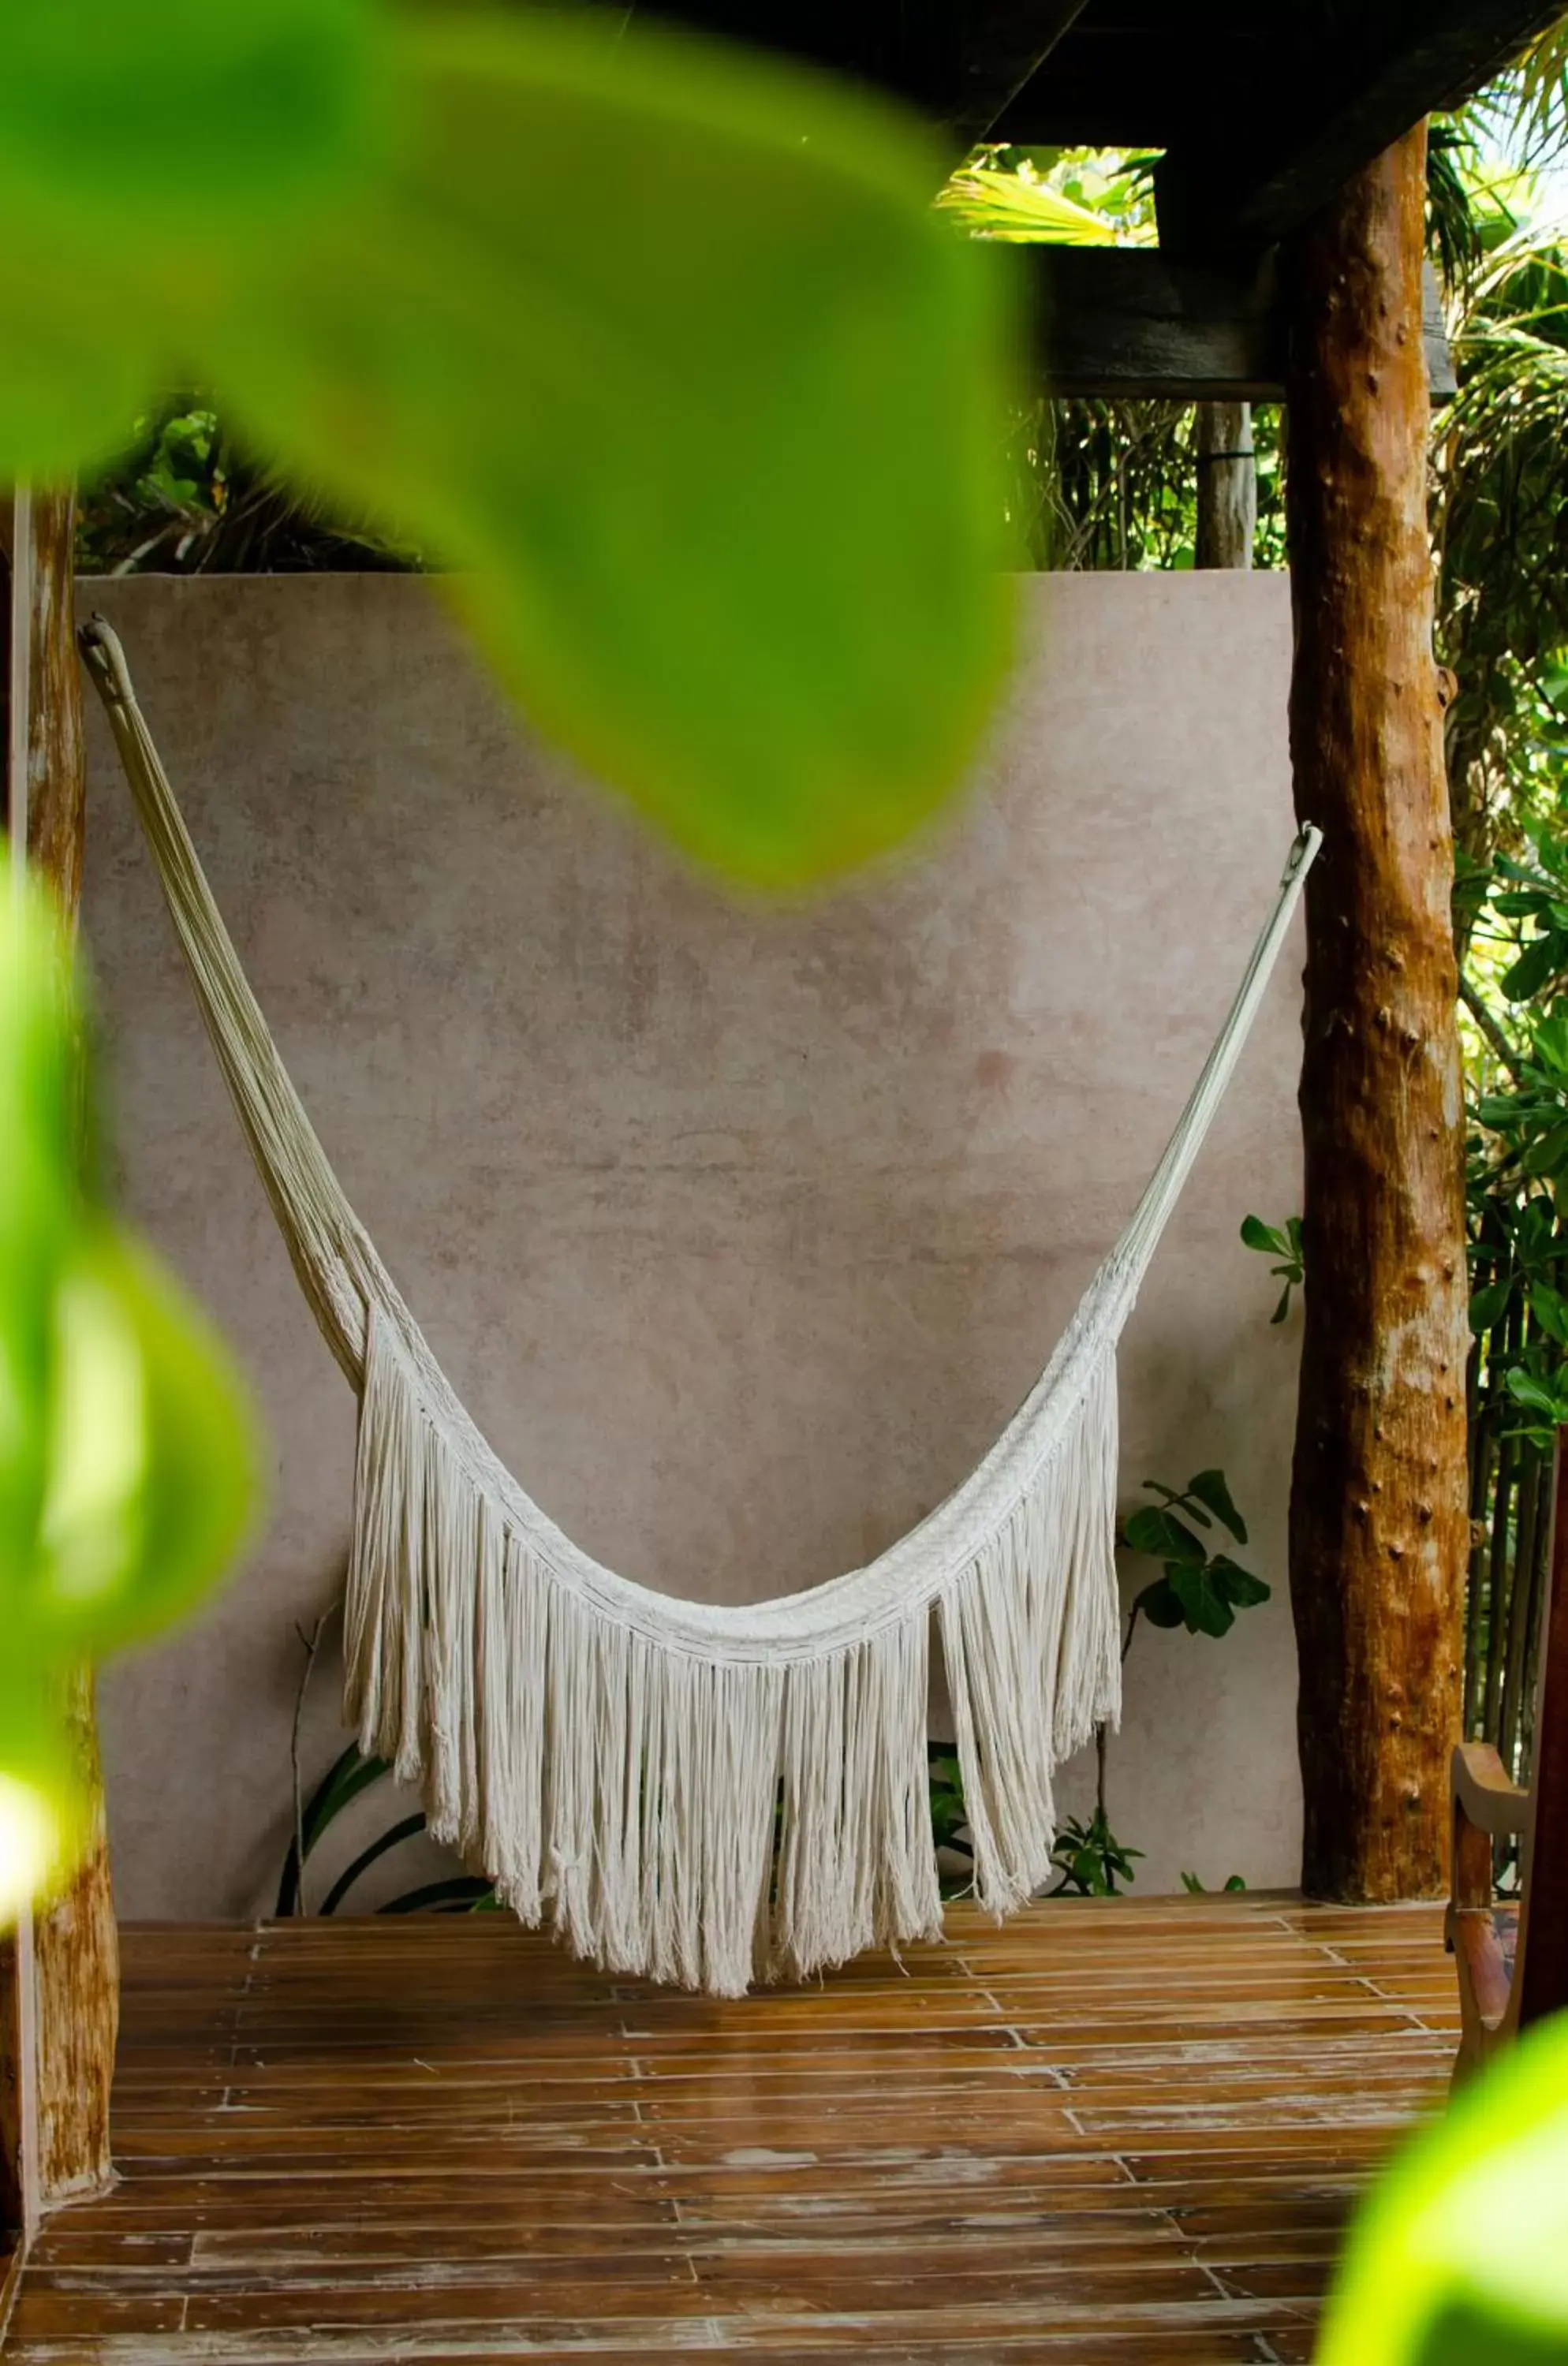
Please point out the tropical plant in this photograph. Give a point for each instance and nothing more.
(1092, 1862)
(186, 499)
(1518, 1217)
(1200, 1589)
(350, 1775)
(762, 597)
(1283, 1242)
(1500, 526)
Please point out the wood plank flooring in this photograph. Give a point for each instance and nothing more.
(1109, 2132)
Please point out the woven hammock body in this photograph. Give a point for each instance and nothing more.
(705, 1794)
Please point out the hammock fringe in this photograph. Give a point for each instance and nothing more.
(713, 1823)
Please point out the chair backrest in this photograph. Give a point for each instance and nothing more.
(1542, 1968)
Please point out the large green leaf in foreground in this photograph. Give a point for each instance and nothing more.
(1460, 2256)
(669, 357)
(147, 151)
(128, 1465)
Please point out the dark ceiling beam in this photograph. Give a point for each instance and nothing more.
(1118, 322)
(1006, 44)
(1124, 78)
(1362, 87)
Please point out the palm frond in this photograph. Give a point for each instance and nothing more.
(993, 203)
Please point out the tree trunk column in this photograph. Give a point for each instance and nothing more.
(1377, 1503)
(74, 2003)
(1227, 486)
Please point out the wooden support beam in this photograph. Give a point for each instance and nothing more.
(74, 2003)
(1345, 99)
(1378, 1533)
(1130, 321)
(1137, 77)
(1008, 42)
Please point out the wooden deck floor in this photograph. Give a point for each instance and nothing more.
(1109, 2132)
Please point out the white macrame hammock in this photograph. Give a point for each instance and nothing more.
(706, 1794)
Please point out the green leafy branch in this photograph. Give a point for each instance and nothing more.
(1200, 1590)
(1283, 1242)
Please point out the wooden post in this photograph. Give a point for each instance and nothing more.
(76, 1975)
(1378, 1508)
(1227, 485)
(1543, 1925)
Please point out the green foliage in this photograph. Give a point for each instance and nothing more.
(1500, 524)
(1091, 1860)
(1058, 197)
(1200, 1590)
(1461, 2255)
(184, 499)
(663, 354)
(350, 1775)
(1195, 1888)
(1517, 1202)
(1284, 1243)
(127, 1461)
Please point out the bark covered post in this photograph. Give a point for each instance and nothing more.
(1378, 1506)
(1227, 485)
(76, 1969)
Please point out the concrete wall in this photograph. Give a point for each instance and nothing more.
(740, 1230)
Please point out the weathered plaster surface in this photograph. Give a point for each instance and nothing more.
(740, 1229)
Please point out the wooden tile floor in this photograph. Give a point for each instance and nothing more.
(1110, 2131)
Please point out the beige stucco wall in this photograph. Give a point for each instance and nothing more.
(740, 1229)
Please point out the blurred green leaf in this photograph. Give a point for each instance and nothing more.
(151, 1472)
(119, 123)
(672, 361)
(145, 153)
(40, 1806)
(41, 1027)
(1461, 2256)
